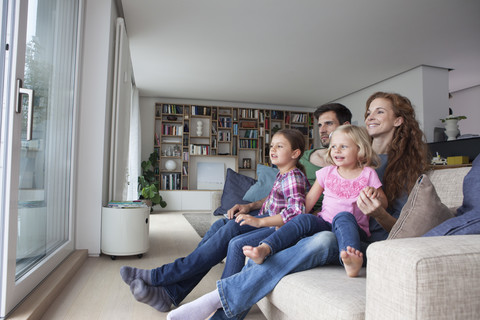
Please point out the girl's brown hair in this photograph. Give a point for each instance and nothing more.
(408, 152)
(359, 135)
(297, 141)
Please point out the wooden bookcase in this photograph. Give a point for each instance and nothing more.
(185, 131)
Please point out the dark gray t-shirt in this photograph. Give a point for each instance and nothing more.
(394, 209)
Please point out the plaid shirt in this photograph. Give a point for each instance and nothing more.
(287, 197)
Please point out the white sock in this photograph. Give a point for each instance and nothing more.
(198, 309)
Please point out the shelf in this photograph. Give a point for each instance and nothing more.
(227, 133)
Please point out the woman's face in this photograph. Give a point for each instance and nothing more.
(381, 119)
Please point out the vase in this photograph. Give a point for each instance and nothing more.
(199, 128)
(451, 129)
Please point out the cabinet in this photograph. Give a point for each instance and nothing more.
(125, 231)
(183, 131)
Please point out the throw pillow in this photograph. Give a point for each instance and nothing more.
(266, 177)
(235, 187)
(422, 212)
(467, 220)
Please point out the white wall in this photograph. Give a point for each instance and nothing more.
(467, 103)
(426, 87)
(94, 122)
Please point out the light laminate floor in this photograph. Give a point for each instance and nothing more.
(98, 292)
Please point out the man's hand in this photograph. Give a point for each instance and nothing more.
(238, 209)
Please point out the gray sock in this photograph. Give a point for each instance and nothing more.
(155, 297)
(198, 309)
(129, 274)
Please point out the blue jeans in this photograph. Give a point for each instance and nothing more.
(181, 276)
(241, 291)
(344, 226)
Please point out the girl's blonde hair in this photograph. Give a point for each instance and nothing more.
(359, 135)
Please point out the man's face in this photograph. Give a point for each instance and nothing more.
(327, 122)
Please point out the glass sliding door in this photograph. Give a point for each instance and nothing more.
(40, 78)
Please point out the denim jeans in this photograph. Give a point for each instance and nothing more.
(241, 291)
(181, 276)
(347, 231)
(303, 225)
(344, 226)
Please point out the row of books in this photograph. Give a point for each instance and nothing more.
(299, 117)
(248, 144)
(172, 130)
(249, 113)
(225, 122)
(199, 150)
(200, 111)
(224, 136)
(172, 109)
(250, 133)
(171, 181)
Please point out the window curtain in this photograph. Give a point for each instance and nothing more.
(134, 154)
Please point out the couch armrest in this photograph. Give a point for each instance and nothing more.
(424, 278)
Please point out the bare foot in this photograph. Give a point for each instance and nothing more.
(257, 254)
(352, 261)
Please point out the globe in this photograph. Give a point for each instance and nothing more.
(170, 165)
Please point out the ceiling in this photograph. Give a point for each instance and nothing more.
(295, 53)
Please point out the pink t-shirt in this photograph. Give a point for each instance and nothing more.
(340, 194)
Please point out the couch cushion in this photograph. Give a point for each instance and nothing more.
(448, 184)
(422, 212)
(468, 219)
(320, 293)
(266, 177)
(233, 191)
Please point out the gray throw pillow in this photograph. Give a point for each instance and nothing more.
(422, 212)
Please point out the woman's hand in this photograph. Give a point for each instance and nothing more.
(374, 208)
(369, 203)
(244, 219)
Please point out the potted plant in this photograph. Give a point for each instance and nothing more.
(148, 186)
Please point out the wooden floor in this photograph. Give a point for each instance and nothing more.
(98, 292)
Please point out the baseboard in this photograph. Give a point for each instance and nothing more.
(38, 301)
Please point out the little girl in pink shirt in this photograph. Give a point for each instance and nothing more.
(350, 174)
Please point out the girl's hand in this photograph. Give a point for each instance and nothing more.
(244, 219)
(370, 192)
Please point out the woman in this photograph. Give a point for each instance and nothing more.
(397, 138)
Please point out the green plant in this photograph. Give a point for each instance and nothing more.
(450, 117)
(148, 185)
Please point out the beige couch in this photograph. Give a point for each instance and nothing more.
(413, 278)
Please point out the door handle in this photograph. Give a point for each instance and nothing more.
(29, 93)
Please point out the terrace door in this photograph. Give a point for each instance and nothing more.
(39, 67)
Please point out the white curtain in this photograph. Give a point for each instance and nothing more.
(121, 112)
(134, 154)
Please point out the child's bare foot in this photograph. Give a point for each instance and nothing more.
(352, 261)
(257, 254)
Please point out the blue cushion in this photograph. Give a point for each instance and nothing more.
(235, 187)
(261, 189)
(467, 220)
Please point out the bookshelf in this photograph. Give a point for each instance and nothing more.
(184, 132)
